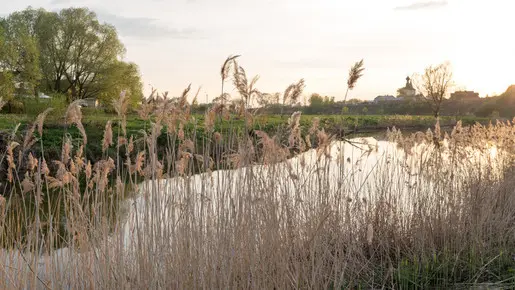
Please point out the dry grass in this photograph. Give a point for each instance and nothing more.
(318, 220)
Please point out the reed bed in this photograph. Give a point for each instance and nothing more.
(244, 210)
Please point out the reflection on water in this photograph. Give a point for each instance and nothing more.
(358, 172)
(349, 171)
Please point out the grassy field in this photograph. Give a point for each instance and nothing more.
(330, 239)
(283, 224)
(276, 228)
(94, 122)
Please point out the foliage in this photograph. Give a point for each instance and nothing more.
(78, 49)
(36, 106)
(120, 76)
(265, 100)
(503, 104)
(317, 100)
(76, 54)
(6, 86)
(19, 56)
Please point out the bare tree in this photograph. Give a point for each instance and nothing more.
(434, 84)
(266, 99)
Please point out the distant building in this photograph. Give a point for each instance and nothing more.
(408, 90)
(464, 96)
(91, 103)
(386, 98)
(43, 96)
(406, 93)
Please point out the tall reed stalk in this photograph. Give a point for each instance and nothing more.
(213, 207)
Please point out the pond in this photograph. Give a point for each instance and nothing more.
(358, 173)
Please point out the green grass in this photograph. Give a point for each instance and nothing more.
(94, 123)
(99, 118)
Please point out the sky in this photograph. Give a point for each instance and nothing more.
(178, 42)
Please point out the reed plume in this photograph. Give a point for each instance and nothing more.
(41, 119)
(107, 141)
(121, 106)
(292, 93)
(10, 160)
(355, 73)
(73, 115)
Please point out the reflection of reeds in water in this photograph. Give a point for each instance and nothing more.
(425, 210)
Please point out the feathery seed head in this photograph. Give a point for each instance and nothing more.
(355, 73)
(41, 119)
(224, 72)
(108, 136)
(32, 163)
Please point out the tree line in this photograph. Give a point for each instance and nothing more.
(69, 52)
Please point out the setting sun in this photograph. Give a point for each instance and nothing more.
(483, 57)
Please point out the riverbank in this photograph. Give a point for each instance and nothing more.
(278, 202)
(286, 216)
(338, 126)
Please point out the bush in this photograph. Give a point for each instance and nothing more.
(35, 106)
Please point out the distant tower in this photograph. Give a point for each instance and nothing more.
(408, 90)
(409, 85)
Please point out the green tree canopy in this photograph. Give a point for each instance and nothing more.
(120, 76)
(77, 51)
(317, 100)
(19, 56)
(68, 52)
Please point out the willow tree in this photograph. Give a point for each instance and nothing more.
(75, 49)
(68, 52)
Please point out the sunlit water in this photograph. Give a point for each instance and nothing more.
(362, 169)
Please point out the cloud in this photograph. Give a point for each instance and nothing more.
(423, 5)
(146, 28)
(59, 2)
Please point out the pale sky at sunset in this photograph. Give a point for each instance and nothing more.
(176, 42)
